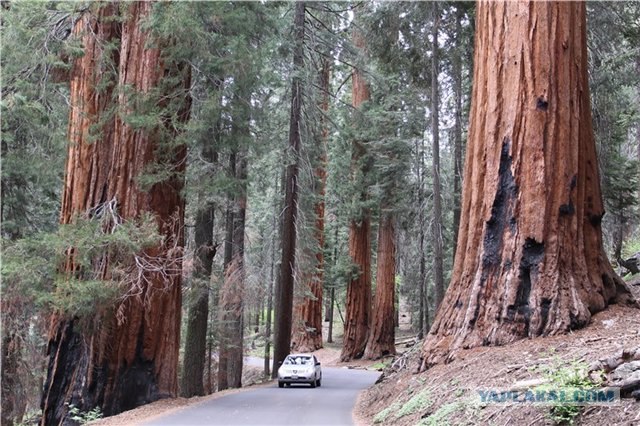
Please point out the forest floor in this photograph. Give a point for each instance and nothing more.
(448, 394)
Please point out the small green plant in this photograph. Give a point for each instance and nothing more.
(383, 415)
(567, 378)
(378, 366)
(418, 402)
(440, 417)
(84, 417)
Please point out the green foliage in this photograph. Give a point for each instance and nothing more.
(417, 403)
(440, 417)
(34, 271)
(631, 247)
(383, 415)
(34, 115)
(614, 82)
(84, 417)
(567, 377)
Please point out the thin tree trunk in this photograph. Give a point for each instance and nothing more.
(423, 321)
(438, 255)
(284, 310)
(196, 339)
(132, 357)
(278, 278)
(234, 283)
(267, 328)
(457, 129)
(331, 304)
(224, 298)
(381, 341)
(333, 288)
(195, 351)
(530, 260)
(13, 396)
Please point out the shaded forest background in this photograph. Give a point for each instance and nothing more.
(239, 152)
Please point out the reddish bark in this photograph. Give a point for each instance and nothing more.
(307, 336)
(130, 357)
(530, 259)
(381, 340)
(359, 289)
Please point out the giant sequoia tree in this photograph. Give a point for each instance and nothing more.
(122, 127)
(358, 302)
(530, 260)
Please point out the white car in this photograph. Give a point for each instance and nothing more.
(300, 368)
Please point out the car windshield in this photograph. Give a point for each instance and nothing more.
(298, 360)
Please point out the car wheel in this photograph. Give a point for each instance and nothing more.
(319, 382)
(280, 384)
(313, 383)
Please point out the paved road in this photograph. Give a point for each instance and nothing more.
(331, 404)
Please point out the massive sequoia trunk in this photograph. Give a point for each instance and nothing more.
(130, 357)
(530, 259)
(381, 340)
(307, 336)
(359, 288)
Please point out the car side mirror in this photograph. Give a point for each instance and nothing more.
(318, 363)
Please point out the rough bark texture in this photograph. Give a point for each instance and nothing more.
(232, 292)
(223, 338)
(423, 311)
(358, 302)
(530, 260)
(234, 282)
(381, 340)
(457, 128)
(307, 336)
(284, 307)
(438, 256)
(14, 399)
(131, 356)
(195, 347)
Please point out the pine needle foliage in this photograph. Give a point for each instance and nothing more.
(32, 267)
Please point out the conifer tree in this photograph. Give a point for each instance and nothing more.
(530, 259)
(358, 303)
(130, 356)
(284, 307)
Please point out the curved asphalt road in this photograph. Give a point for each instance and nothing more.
(331, 404)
